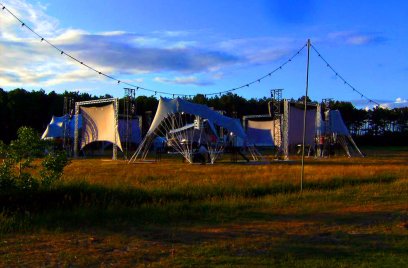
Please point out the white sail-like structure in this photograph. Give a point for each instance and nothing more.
(187, 124)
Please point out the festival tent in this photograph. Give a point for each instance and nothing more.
(98, 124)
(59, 124)
(172, 106)
(173, 120)
(55, 129)
(261, 133)
(335, 128)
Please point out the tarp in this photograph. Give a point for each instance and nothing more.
(98, 124)
(261, 132)
(296, 126)
(172, 106)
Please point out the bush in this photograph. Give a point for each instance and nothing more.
(18, 157)
(53, 167)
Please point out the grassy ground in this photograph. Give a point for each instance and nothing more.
(352, 212)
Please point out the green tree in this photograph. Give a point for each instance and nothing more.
(25, 148)
(53, 167)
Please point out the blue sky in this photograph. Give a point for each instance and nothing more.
(209, 46)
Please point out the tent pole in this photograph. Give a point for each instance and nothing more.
(302, 174)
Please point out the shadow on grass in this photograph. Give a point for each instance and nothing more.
(82, 205)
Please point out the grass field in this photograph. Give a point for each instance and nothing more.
(352, 212)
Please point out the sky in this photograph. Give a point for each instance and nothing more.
(207, 46)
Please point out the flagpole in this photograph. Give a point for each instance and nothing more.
(302, 174)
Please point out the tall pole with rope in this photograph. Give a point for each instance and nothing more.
(302, 174)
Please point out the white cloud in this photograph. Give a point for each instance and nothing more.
(120, 53)
(183, 80)
(387, 104)
(355, 38)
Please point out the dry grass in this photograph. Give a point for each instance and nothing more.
(354, 212)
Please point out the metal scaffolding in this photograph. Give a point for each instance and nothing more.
(67, 113)
(129, 113)
(276, 114)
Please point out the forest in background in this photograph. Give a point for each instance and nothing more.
(20, 107)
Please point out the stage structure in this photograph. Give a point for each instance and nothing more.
(276, 113)
(185, 126)
(68, 112)
(266, 129)
(129, 114)
(262, 130)
(99, 123)
(334, 131)
(283, 129)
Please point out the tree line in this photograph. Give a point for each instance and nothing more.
(20, 107)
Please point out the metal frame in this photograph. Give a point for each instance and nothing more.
(129, 112)
(115, 102)
(285, 129)
(67, 113)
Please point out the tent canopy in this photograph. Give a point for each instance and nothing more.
(260, 132)
(98, 124)
(172, 106)
(55, 129)
(337, 124)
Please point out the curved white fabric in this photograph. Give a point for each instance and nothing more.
(261, 132)
(55, 129)
(98, 124)
(172, 106)
(337, 124)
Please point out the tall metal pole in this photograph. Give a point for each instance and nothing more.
(302, 174)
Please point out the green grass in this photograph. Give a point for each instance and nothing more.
(352, 212)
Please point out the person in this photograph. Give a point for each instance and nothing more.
(202, 154)
(321, 144)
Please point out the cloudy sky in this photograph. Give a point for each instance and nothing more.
(206, 46)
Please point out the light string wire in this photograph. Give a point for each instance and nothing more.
(342, 78)
(137, 87)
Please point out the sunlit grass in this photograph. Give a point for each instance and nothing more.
(352, 212)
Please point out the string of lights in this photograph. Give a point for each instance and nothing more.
(138, 87)
(341, 77)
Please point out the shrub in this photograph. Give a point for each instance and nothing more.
(53, 167)
(18, 157)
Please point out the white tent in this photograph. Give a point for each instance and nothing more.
(261, 132)
(98, 125)
(172, 106)
(173, 119)
(59, 124)
(55, 129)
(335, 128)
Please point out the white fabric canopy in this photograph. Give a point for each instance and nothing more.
(55, 129)
(98, 124)
(337, 124)
(172, 106)
(261, 132)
